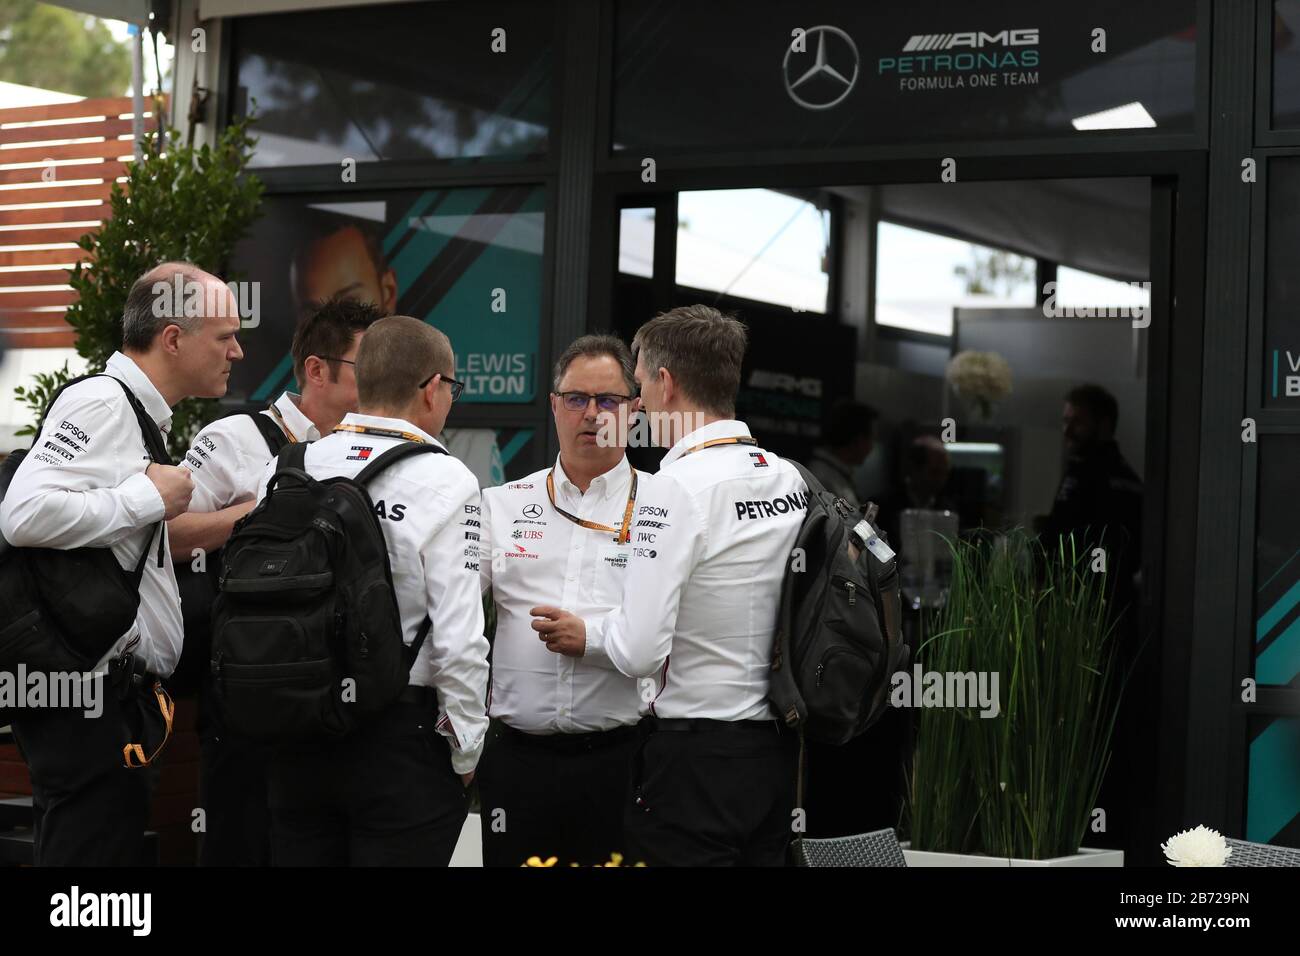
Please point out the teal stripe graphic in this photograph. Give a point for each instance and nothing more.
(1276, 573)
(515, 445)
(1278, 611)
(268, 386)
(1274, 790)
(1279, 662)
(424, 244)
(417, 209)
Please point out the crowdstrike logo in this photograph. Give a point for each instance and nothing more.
(975, 40)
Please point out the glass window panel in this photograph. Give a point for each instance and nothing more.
(468, 260)
(756, 244)
(406, 81)
(636, 242)
(922, 276)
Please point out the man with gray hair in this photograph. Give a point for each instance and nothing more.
(714, 782)
(94, 479)
(554, 777)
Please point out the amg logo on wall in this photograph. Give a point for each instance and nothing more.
(820, 73)
(941, 61)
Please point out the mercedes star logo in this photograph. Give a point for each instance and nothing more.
(532, 511)
(823, 84)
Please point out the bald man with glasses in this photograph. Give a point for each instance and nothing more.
(554, 775)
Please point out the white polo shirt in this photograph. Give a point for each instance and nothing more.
(699, 609)
(428, 506)
(229, 457)
(534, 555)
(83, 484)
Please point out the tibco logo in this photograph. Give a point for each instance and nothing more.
(975, 40)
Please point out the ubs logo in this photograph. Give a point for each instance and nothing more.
(832, 74)
(532, 511)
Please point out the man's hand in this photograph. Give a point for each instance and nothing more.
(174, 485)
(467, 779)
(564, 632)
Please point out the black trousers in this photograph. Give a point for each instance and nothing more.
(233, 793)
(89, 809)
(713, 796)
(385, 795)
(860, 786)
(560, 795)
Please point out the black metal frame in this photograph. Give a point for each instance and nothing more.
(1202, 372)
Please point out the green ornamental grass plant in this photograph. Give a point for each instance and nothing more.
(1024, 783)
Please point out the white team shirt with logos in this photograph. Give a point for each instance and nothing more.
(83, 484)
(533, 555)
(428, 506)
(711, 541)
(229, 457)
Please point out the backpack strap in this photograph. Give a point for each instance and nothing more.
(388, 458)
(154, 444)
(393, 456)
(275, 439)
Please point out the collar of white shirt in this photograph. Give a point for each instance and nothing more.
(392, 424)
(613, 482)
(121, 366)
(303, 428)
(726, 428)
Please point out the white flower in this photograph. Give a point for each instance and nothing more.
(1199, 847)
(980, 376)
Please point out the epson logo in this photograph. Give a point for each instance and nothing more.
(976, 40)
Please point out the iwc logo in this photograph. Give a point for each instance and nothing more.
(832, 73)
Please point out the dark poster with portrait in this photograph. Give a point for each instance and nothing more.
(467, 260)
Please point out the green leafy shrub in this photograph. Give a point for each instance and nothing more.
(179, 203)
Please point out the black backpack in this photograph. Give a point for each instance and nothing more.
(199, 591)
(838, 640)
(306, 633)
(63, 609)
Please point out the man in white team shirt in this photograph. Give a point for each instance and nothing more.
(554, 777)
(714, 784)
(88, 482)
(227, 459)
(393, 791)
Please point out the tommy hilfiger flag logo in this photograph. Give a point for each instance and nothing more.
(759, 460)
(361, 452)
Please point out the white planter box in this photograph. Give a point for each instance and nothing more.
(1085, 857)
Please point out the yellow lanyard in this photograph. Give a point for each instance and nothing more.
(284, 426)
(623, 535)
(381, 432)
(739, 440)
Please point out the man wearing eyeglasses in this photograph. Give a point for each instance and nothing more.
(392, 792)
(554, 776)
(226, 461)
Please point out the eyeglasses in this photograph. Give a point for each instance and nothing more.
(456, 387)
(605, 401)
(326, 358)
